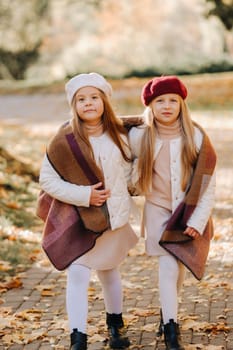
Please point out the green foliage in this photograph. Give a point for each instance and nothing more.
(41, 7)
(211, 67)
(21, 33)
(223, 9)
(16, 63)
(96, 3)
(54, 40)
(147, 72)
(223, 66)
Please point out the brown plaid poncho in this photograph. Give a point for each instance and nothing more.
(71, 231)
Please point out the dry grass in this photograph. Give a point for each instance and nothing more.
(205, 90)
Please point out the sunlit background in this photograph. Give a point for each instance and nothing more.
(42, 44)
(53, 39)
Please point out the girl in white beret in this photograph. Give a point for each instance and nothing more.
(87, 168)
(174, 168)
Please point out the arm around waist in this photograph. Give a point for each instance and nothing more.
(55, 186)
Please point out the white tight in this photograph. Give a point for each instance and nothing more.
(171, 278)
(78, 278)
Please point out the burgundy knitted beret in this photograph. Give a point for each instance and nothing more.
(160, 86)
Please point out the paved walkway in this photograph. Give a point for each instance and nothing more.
(35, 316)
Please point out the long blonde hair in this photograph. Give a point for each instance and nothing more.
(188, 148)
(111, 124)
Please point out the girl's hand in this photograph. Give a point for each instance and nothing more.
(98, 197)
(190, 231)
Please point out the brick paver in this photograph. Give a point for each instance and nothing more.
(209, 301)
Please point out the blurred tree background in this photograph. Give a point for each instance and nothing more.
(223, 10)
(54, 39)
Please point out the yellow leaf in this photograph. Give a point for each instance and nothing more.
(143, 312)
(5, 265)
(196, 326)
(29, 314)
(15, 282)
(5, 322)
(148, 327)
(47, 293)
(95, 338)
(13, 205)
(129, 319)
(43, 287)
(29, 338)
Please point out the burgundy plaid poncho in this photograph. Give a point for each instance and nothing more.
(71, 231)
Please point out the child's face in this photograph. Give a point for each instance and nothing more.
(89, 105)
(166, 108)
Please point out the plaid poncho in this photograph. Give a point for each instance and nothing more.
(192, 252)
(71, 231)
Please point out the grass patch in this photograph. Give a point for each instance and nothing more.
(16, 256)
(20, 229)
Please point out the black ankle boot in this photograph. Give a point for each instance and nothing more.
(172, 336)
(160, 330)
(116, 332)
(78, 340)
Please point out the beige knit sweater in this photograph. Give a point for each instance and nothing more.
(161, 181)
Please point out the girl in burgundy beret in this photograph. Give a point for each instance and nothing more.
(174, 168)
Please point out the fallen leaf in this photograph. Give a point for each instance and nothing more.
(5, 266)
(13, 205)
(96, 338)
(130, 319)
(15, 282)
(205, 326)
(203, 347)
(149, 327)
(195, 326)
(30, 314)
(42, 287)
(48, 293)
(143, 312)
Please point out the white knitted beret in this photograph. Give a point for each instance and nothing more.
(90, 79)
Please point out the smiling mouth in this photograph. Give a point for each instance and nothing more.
(89, 110)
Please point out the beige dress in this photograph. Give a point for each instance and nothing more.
(110, 249)
(157, 209)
